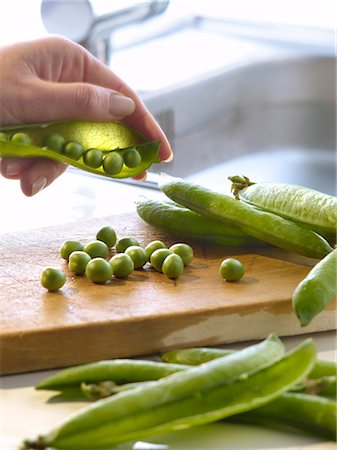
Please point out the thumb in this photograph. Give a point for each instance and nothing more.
(85, 101)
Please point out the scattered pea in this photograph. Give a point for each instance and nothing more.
(97, 249)
(3, 137)
(55, 141)
(138, 255)
(152, 246)
(107, 235)
(93, 158)
(122, 265)
(173, 266)
(158, 256)
(21, 138)
(113, 163)
(231, 269)
(124, 243)
(99, 270)
(78, 261)
(73, 150)
(132, 157)
(70, 246)
(185, 251)
(52, 278)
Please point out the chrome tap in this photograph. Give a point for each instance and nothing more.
(76, 20)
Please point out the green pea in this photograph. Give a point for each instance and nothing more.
(97, 249)
(78, 261)
(152, 246)
(93, 158)
(52, 278)
(107, 235)
(3, 137)
(55, 141)
(98, 270)
(132, 157)
(21, 138)
(231, 269)
(173, 266)
(138, 255)
(157, 258)
(184, 251)
(113, 163)
(73, 150)
(124, 243)
(122, 265)
(70, 246)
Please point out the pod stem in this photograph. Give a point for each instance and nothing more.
(238, 183)
(37, 444)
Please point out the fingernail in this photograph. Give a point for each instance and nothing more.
(120, 105)
(39, 184)
(12, 168)
(169, 159)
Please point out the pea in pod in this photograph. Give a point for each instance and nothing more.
(223, 387)
(106, 137)
(174, 218)
(262, 225)
(310, 208)
(317, 289)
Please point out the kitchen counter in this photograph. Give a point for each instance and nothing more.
(26, 412)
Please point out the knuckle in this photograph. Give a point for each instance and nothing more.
(85, 97)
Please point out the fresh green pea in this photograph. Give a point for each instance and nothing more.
(78, 261)
(158, 257)
(138, 255)
(3, 137)
(185, 251)
(73, 150)
(316, 290)
(97, 249)
(124, 243)
(21, 138)
(231, 269)
(173, 266)
(152, 246)
(122, 265)
(107, 235)
(70, 246)
(260, 224)
(112, 163)
(98, 270)
(52, 278)
(131, 157)
(55, 141)
(93, 158)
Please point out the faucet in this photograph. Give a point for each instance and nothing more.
(76, 20)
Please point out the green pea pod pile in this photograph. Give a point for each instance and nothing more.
(229, 385)
(108, 138)
(260, 224)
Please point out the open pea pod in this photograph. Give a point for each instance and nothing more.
(106, 138)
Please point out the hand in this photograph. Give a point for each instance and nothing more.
(55, 79)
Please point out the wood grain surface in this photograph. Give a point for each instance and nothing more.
(145, 313)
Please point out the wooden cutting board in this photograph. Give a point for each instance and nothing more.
(145, 313)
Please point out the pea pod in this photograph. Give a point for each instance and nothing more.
(311, 208)
(308, 412)
(174, 218)
(317, 289)
(118, 370)
(226, 386)
(106, 137)
(262, 225)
